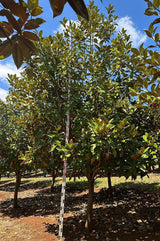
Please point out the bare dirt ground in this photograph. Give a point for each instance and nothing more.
(132, 215)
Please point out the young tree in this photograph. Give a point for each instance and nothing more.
(14, 145)
(103, 134)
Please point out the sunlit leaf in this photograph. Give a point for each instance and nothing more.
(37, 11)
(135, 51)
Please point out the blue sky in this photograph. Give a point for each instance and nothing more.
(131, 16)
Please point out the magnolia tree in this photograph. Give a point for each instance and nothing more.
(40, 94)
(15, 145)
(148, 92)
(104, 133)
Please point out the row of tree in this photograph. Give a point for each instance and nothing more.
(114, 104)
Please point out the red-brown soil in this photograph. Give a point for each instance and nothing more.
(131, 215)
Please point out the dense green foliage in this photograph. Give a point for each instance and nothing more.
(114, 123)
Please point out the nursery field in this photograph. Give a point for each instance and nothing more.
(132, 214)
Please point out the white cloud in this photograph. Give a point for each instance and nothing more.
(3, 94)
(137, 37)
(8, 68)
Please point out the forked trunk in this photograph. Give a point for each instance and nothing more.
(17, 185)
(90, 203)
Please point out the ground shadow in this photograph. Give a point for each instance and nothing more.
(9, 186)
(4, 181)
(45, 202)
(132, 214)
(141, 187)
(25, 185)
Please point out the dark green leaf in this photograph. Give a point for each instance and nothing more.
(148, 33)
(33, 23)
(135, 51)
(11, 19)
(5, 49)
(57, 6)
(17, 55)
(6, 29)
(80, 8)
(157, 20)
(30, 35)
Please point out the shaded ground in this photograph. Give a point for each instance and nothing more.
(133, 214)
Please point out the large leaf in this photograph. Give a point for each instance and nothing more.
(37, 11)
(157, 20)
(16, 8)
(5, 49)
(17, 55)
(32, 4)
(80, 8)
(30, 45)
(11, 19)
(6, 29)
(30, 35)
(57, 6)
(33, 23)
(25, 49)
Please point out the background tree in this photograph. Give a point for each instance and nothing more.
(14, 145)
(148, 91)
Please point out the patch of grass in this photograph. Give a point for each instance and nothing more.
(5, 180)
(151, 184)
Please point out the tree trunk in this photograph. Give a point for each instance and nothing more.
(90, 203)
(109, 184)
(18, 182)
(53, 178)
(109, 181)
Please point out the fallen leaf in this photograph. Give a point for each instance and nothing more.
(139, 221)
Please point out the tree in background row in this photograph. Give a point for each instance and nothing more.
(148, 93)
(14, 141)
